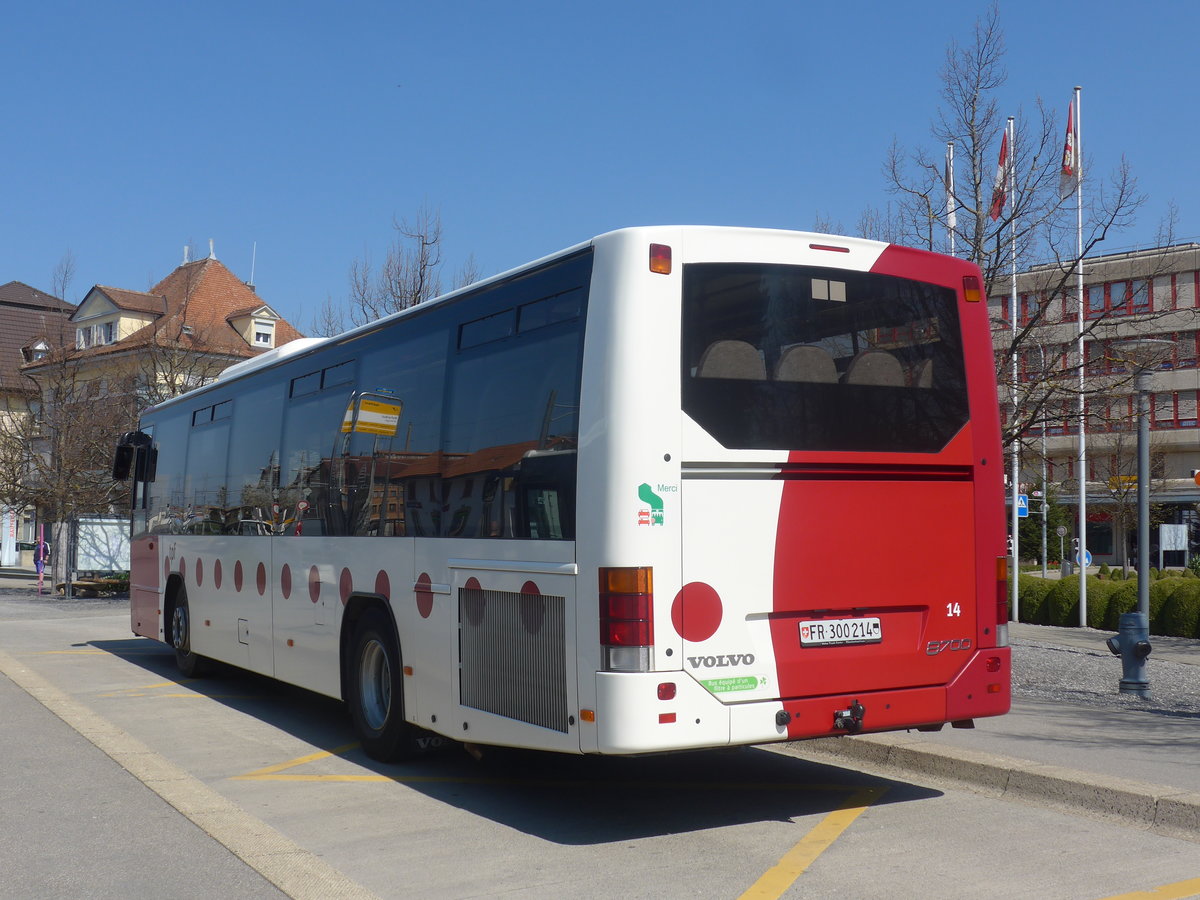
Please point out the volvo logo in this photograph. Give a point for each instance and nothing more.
(716, 662)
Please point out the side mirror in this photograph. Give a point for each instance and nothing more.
(123, 461)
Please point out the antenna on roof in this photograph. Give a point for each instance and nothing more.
(253, 257)
(187, 251)
(211, 253)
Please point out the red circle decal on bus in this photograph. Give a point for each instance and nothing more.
(285, 581)
(696, 612)
(199, 572)
(424, 596)
(237, 576)
(345, 585)
(217, 574)
(314, 584)
(474, 603)
(262, 579)
(383, 586)
(166, 568)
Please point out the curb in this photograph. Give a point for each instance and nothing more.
(1173, 812)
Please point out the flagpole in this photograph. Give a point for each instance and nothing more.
(1082, 473)
(951, 202)
(1016, 451)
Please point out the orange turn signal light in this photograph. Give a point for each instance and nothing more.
(660, 259)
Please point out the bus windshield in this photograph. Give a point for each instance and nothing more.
(784, 357)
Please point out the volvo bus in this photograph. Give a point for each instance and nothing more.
(673, 487)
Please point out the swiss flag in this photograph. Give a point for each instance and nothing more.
(1000, 190)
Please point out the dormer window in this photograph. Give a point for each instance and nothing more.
(264, 333)
(81, 338)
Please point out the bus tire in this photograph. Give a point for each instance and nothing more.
(375, 692)
(190, 664)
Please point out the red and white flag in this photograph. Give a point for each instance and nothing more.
(1069, 178)
(1003, 170)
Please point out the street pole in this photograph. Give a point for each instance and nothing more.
(1132, 642)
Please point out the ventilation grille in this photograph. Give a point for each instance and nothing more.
(513, 656)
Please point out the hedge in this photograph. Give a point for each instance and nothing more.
(1124, 600)
(1062, 602)
(1031, 597)
(1180, 615)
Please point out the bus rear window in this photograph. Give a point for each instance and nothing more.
(779, 357)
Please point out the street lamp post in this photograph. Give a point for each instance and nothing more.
(1132, 642)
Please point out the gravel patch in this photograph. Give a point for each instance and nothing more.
(1043, 670)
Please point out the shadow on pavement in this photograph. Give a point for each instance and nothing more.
(573, 800)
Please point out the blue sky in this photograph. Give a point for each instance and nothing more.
(133, 128)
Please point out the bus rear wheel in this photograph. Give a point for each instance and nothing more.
(375, 691)
(190, 664)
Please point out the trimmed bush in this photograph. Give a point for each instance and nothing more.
(1124, 600)
(1117, 575)
(1180, 615)
(1188, 573)
(1105, 571)
(1031, 597)
(1062, 602)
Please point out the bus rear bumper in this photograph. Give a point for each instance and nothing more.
(630, 717)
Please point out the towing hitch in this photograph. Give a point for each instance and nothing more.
(850, 720)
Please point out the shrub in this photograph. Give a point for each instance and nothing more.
(1062, 602)
(1105, 571)
(1188, 573)
(1031, 598)
(1124, 600)
(1180, 615)
(1117, 575)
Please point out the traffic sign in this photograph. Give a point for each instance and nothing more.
(1022, 506)
(1087, 558)
(1061, 530)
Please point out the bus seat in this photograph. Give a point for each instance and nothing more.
(806, 363)
(731, 359)
(876, 367)
(922, 374)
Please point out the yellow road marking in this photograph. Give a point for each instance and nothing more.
(1180, 890)
(776, 880)
(292, 763)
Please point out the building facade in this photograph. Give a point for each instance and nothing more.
(1141, 312)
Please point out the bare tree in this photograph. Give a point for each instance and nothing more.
(411, 273)
(1036, 226)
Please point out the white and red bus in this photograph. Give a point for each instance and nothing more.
(674, 487)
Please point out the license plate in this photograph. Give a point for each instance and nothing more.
(823, 632)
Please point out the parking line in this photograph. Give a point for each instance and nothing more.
(1180, 890)
(776, 880)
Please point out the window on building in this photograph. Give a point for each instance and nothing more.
(1174, 409)
(264, 333)
(110, 332)
(81, 338)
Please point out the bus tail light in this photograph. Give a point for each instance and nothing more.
(972, 292)
(660, 259)
(1001, 601)
(626, 618)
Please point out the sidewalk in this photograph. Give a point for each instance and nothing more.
(1131, 761)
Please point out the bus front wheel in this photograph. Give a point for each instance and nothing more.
(189, 663)
(376, 691)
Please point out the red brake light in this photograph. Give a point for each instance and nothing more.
(626, 618)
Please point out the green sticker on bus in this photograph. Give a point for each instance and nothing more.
(734, 683)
